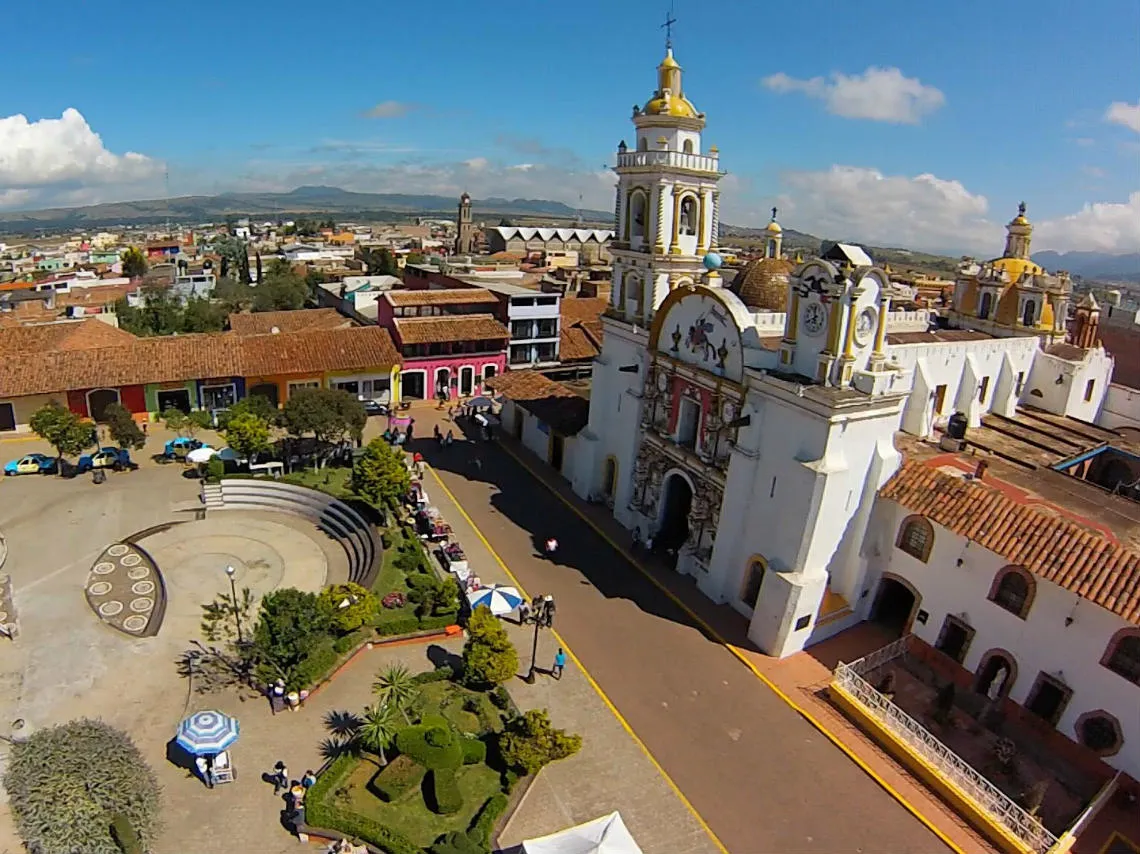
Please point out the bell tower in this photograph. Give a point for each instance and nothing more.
(666, 210)
(465, 238)
(1018, 234)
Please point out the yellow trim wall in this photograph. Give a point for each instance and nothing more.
(931, 776)
(23, 407)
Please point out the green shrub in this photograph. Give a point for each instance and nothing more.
(215, 470)
(446, 799)
(500, 698)
(441, 674)
(432, 743)
(350, 641)
(530, 742)
(474, 751)
(439, 621)
(403, 624)
(317, 665)
(362, 606)
(397, 778)
(124, 835)
(456, 842)
(484, 821)
(321, 813)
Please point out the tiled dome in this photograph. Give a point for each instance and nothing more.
(763, 284)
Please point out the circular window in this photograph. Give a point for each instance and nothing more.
(1100, 732)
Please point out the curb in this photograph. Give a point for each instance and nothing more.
(712, 633)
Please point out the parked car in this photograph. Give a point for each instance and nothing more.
(105, 458)
(31, 464)
(374, 407)
(177, 449)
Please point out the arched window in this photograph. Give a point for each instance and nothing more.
(1122, 656)
(687, 147)
(916, 537)
(1013, 590)
(637, 214)
(1029, 315)
(753, 578)
(643, 144)
(986, 305)
(609, 478)
(688, 215)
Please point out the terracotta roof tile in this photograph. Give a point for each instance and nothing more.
(443, 296)
(97, 295)
(1047, 543)
(579, 309)
(316, 350)
(66, 335)
(265, 322)
(580, 337)
(440, 330)
(553, 403)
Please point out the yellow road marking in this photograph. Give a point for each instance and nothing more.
(743, 658)
(598, 688)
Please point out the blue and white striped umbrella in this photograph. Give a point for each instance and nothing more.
(207, 732)
(501, 600)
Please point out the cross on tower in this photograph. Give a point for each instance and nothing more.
(668, 27)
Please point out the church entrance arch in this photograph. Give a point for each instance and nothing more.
(896, 604)
(673, 520)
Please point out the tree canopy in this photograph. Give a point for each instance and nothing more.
(380, 475)
(328, 414)
(125, 431)
(531, 741)
(163, 313)
(281, 289)
(248, 434)
(489, 658)
(379, 262)
(62, 429)
(68, 784)
(134, 262)
(291, 625)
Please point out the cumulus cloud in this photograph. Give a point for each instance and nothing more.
(1098, 226)
(389, 110)
(42, 160)
(878, 94)
(1122, 113)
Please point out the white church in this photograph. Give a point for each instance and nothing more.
(751, 429)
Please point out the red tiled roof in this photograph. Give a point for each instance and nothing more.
(264, 322)
(65, 335)
(443, 296)
(580, 337)
(553, 403)
(1058, 549)
(440, 330)
(318, 350)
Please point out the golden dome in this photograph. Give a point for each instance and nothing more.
(679, 107)
(763, 284)
(1015, 267)
(669, 100)
(774, 228)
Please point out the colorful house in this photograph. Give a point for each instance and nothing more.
(452, 356)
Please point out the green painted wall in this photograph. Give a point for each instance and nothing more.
(153, 389)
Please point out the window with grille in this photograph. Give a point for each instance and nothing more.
(1124, 659)
(1013, 593)
(916, 539)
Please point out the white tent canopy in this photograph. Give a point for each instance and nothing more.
(605, 835)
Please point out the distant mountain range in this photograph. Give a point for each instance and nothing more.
(1093, 265)
(303, 201)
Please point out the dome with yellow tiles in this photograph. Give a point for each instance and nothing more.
(669, 100)
(774, 228)
(1017, 267)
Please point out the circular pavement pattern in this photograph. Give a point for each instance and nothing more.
(111, 608)
(100, 588)
(103, 568)
(125, 590)
(139, 572)
(142, 605)
(135, 623)
(142, 588)
(130, 560)
(118, 550)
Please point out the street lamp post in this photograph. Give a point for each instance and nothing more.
(233, 594)
(530, 676)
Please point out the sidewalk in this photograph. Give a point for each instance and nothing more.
(612, 771)
(801, 677)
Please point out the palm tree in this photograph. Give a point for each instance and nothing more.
(395, 688)
(378, 729)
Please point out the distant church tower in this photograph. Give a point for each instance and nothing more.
(666, 214)
(465, 240)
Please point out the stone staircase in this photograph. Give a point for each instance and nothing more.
(212, 496)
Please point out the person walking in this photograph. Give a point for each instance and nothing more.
(537, 604)
(411, 429)
(280, 778)
(548, 611)
(449, 438)
(551, 547)
(309, 780)
(559, 664)
(524, 612)
(437, 434)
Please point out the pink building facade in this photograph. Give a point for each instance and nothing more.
(462, 375)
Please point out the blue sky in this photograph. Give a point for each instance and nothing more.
(915, 124)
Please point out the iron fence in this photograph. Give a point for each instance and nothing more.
(968, 781)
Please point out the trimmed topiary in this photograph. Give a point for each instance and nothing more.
(484, 823)
(432, 743)
(445, 799)
(457, 842)
(397, 778)
(474, 751)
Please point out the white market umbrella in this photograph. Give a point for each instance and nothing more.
(500, 600)
(200, 455)
(605, 835)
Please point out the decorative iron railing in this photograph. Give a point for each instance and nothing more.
(994, 802)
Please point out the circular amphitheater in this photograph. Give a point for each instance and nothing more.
(272, 535)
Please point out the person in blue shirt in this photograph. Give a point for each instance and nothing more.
(559, 664)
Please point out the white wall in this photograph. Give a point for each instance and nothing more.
(1120, 408)
(1042, 642)
(1058, 386)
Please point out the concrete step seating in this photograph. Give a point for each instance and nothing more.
(356, 536)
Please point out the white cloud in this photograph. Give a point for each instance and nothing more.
(1098, 226)
(43, 160)
(878, 94)
(1093, 171)
(476, 164)
(1122, 113)
(928, 213)
(389, 110)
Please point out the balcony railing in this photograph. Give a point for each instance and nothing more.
(909, 732)
(670, 159)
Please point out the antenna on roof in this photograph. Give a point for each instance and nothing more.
(668, 27)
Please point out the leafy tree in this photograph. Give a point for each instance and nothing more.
(202, 315)
(248, 434)
(433, 595)
(159, 314)
(125, 431)
(530, 741)
(489, 658)
(258, 268)
(395, 688)
(281, 289)
(379, 262)
(186, 424)
(134, 263)
(380, 475)
(291, 625)
(415, 258)
(233, 296)
(174, 419)
(257, 405)
(62, 429)
(378, 729)
(227, 659)
(328, 414)
(67, 783)
(349, 606)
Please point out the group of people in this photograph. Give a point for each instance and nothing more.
(540, 610)
(294, 791)
(444, 441)
(394, 437)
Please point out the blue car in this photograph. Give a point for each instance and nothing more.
(105, 458)
(31, 464)
(177, 449)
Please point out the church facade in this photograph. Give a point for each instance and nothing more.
(750, 430)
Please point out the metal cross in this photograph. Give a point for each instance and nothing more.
(668, 27)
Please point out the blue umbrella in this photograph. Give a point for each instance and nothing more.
(500, 600)
(207, 732)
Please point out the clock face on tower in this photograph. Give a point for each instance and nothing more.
(815, 318)
(865, 325)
